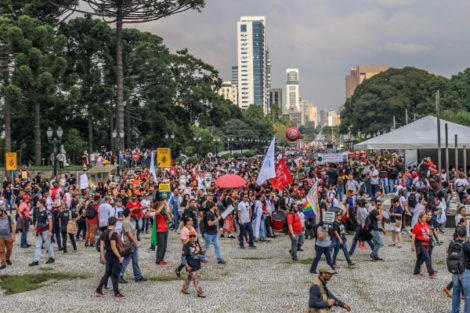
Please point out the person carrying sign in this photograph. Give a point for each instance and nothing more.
(322, 245)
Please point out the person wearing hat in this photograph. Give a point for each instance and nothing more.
(192, 261)
(321, 300)
(43, 232)
(7, 236)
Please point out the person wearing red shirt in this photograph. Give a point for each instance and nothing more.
(420, 241)
(136, 219)
(296, 235)
(161, 218)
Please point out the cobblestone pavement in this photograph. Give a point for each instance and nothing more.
(261, 280)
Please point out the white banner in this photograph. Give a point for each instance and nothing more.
(331, 157)
(268, 169)
(227, 212)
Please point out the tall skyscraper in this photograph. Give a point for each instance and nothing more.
(292, 91)
(275, 97)
(252, 62)
(359, 74)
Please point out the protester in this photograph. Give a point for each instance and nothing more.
(65, 216)
(244, 218)
(192, 260)
(110, 255)
(296, 234)
(162, 219)
(339, 241)
(321, 299)
(376, 216)
(396, 218)
(7, 237)
(322, 247)
(43, 233)
(211, 235)
(131, 245)
(460, 280)
(420, 242)
(91, 214)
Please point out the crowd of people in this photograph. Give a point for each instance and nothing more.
(62, 209)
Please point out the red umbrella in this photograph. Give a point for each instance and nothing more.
(230, 181)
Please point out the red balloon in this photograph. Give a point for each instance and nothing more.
(293, 134)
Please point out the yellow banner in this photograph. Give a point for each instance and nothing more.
(11, 161)
(163, 157)
(164, 188)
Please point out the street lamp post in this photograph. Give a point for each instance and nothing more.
(230, 143)
(168, 136)
(198, 141)
(55, 141)
(216, 141)
(242, 141)
(117, 143)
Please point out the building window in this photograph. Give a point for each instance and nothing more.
(243, 28)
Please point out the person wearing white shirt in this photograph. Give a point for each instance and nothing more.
(105, 211)
(257, 214)
(145, 202)
(119, 215)
(244, 218)
(374, 180)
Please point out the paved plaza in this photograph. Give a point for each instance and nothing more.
(261, 280)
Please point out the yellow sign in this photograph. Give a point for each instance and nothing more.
(11, 162)
(163, 157)
(164, 188)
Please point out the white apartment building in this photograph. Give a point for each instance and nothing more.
(229, 91)
(292, 91)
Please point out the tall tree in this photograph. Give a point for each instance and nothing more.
(123, 12)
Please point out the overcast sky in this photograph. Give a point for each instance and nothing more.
(325, 38)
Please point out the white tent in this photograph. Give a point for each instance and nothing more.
(420, 134)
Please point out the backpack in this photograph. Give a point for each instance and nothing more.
(368, 225)
(90, 211)
(412, 200)
(456, 258)
(285, 226)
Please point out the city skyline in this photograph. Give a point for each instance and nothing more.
(325, 39)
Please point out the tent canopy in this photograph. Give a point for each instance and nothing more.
(420, 134)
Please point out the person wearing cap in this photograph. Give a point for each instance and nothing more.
(461, 281)
(43, 233)
(321, 300)
(7, 236)
(24, 210)
(192, 261)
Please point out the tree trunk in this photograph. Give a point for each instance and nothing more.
(111, 128)
(119, 72)
(37, 133)
(90, 131)
(128, 131)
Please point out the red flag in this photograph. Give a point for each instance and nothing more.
(283, 177)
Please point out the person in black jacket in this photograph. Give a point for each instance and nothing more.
(192, 261)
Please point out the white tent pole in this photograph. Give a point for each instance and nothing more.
(439, 157)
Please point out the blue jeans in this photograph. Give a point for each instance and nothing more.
(378, 242)
(461, 283)
(207, 242)
(137, 223)
(135, 264)
(262, 229)
(39, 239)
(246, 227)
(391, 184)
(24, 235)
(384, 183)
(176, 216)
(355, 241)
(56, 234)
(336, 245)
(318, 253)
(340, 189)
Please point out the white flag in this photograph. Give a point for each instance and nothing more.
(152, 167)
(268, 169)
(279, 156)
(312, 198)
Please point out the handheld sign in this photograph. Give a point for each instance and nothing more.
(11, 161)
(328, 218)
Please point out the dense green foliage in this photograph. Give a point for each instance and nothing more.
(64, 74)
(391, 93)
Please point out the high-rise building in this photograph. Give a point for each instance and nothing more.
(333, 118)
(308, 116)
(359, 74)
(292, 91)
(229, 91)
(235, 75)
(275, 97)
(252, 62)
